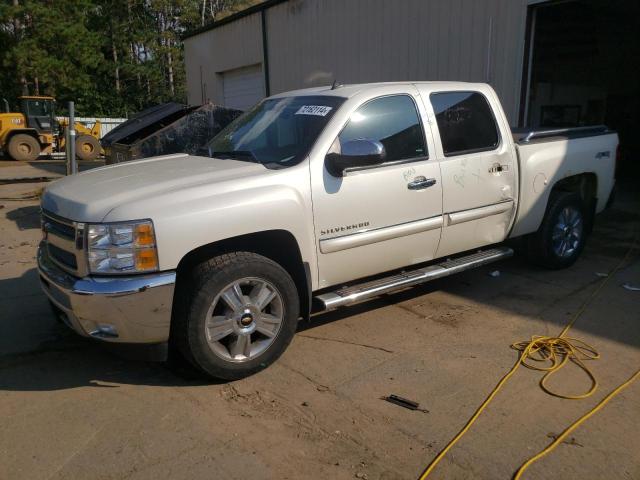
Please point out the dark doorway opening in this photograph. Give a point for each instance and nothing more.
(582, 67)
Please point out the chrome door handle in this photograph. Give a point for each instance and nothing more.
(421, 182)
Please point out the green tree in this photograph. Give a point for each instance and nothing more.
(112, 57)
(51, 50)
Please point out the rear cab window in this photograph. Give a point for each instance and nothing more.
(394, 122)
(465, 121)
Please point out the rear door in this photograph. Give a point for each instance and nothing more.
(478, 172)
(384, 217)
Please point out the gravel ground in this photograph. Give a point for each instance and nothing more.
(71, 408)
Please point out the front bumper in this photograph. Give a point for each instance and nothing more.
(132, 309)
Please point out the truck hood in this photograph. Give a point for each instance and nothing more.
(91, 195)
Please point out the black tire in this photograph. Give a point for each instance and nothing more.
(87, 147)
(23, 147)
(546, 246)
(199, 298)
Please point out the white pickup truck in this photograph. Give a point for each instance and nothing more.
(314, 199)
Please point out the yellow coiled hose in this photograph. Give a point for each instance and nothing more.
(554, 352)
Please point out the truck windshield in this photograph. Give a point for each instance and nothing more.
(276, 131)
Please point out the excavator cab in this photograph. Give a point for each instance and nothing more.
(39, 113)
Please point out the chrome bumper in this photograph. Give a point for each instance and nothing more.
(133, 309)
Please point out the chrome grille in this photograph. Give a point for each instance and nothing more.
(67, 231)
(64, 240)
(62, 256)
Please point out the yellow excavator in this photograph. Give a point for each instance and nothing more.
(34, 131)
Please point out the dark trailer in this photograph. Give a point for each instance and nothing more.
(165, 129)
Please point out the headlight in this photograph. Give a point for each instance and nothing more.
(128, 247)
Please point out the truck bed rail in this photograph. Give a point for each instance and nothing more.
(572, 132)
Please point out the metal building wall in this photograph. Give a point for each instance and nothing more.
(208, 54)
(313, 42)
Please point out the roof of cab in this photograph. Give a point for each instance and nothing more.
(348, 91)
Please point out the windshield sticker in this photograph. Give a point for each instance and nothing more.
(320, 110)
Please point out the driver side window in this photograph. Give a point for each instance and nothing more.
(392, 121)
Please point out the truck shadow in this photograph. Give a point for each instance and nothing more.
(78, 363)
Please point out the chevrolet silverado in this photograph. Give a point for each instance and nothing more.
(312, 200)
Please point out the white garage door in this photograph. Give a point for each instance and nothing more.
(243, 87)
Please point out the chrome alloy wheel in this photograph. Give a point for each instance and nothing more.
(244, 319)
(567, 232)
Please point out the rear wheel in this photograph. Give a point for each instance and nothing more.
(239, 314)
(562, 235)
(87, 147)
(23, 147)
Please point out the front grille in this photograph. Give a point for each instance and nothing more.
(68, 259)
(65, 242)
(64, 230)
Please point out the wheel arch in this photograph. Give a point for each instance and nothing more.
(277, 245)
(585, 185)
(32, 132)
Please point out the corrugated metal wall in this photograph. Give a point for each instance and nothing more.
(313, 42)
(209, 54)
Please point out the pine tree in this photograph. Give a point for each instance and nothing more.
(112, 57)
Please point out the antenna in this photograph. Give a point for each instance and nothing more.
(334, 85)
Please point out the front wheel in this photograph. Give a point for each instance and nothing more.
(561, 237)
(239, 314)
(23, 147)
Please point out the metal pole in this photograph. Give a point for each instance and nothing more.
(67, 152)
(71, 146)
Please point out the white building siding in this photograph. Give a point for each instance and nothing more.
(313, 42)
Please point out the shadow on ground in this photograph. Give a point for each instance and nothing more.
(25, 217)
(47, 166)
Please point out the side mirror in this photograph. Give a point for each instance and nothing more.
(355, 153)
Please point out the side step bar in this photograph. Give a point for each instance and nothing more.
(357, 293)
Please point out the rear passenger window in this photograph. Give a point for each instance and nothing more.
(392, 121)
(465, 121)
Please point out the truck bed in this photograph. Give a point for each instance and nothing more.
(546, 156)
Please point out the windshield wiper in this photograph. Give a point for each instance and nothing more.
(236, 155)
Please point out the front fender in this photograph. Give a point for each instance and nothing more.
(187, 219)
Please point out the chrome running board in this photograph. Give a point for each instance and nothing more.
(363, 291)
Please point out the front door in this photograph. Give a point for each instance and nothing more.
(385, 217)
(478, 174)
